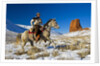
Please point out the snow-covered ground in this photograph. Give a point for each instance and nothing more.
(70, 46)
(78, 33)
(10, 36)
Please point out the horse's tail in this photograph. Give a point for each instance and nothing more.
(18, 38)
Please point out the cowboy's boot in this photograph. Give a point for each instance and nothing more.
(37, 38)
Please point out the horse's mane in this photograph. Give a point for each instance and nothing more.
(47, 23)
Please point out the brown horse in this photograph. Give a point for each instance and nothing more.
(45, 35)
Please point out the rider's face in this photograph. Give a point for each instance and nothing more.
(38, 15)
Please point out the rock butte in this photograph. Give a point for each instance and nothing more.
(76, 26)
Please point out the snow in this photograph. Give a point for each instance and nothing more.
(69, 55)
(11, 52)
(67, 48)
(10, 33)
(78, 33)
(87, 57)
(24, 26)
(10, 36)
(55, 33)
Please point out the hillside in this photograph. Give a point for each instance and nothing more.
(24, 26)
(12, 27)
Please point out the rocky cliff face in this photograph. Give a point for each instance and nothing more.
(76, 26)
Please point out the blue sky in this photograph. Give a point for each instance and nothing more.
(63, 12)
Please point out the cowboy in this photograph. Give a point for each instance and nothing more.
(36, 26)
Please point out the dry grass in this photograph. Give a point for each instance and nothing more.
(33, 50)
(72, 43)
(32, 56)
(55, 53)
(43, 54)
(20, 52)
(84, 54)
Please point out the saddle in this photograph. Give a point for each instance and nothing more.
(32, 31)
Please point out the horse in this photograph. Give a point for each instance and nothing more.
(45, 35)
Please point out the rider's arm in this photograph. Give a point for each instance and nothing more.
(41, 21)
(32, 20)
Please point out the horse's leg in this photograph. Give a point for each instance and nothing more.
(31, 37)
(51, 41)
(23, 43)
(31, 42)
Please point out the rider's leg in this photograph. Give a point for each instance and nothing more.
(37, 38)
(36, 31)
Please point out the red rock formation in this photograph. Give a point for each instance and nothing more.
(86, 29)
(75, 25)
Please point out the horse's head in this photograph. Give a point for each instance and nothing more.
(53, 23)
